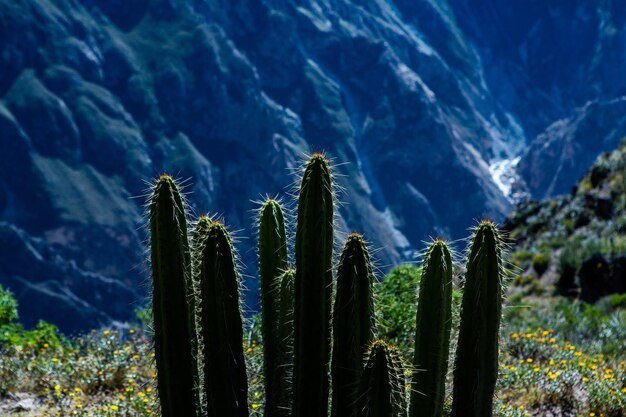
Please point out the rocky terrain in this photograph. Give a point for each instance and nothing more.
(575, 244)
(425, 106)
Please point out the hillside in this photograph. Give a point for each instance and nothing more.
(575, 245)
(426, 108)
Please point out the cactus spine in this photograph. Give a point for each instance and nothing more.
(353, 324)
(476, 368)
(224, 368)
(173, 315)
(382, 385)
(432, 334)
(313, 290)
(272, 263)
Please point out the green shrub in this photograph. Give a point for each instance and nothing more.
(521, 257)
(541, 261)
(8, 306)
(612, 303)
(43, 335)
(396, 305)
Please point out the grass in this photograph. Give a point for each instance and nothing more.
(557, 358)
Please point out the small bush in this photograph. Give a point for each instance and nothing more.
(8, 306)
(541, 261)
(396, 305)
(521, 257)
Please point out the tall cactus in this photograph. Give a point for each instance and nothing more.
(432, 334)
(476, 368)
(353, 324)
(313, 290)
(224, 368)
(272, 263)
(173, 315)
(382, 386)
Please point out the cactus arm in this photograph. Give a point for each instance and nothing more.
(224, 368)
(285, 340)
(382, 389)
(272, 263)
(353, 324)
(432, 334)
(476, 367)
(313, 290)
(173, 315)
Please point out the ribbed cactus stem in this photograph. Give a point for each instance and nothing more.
(173, 315)
(313, 290)
(382, 386)
(224, 368)
(432, 334)
(476, 368)
(285, 339)
(285, 313)
(272, 263)
(353, 324)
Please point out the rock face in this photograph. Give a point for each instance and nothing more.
(566, 149)
(415, 101)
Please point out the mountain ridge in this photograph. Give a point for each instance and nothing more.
(96, 97)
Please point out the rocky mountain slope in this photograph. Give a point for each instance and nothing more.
(575, 245)
(425, 107)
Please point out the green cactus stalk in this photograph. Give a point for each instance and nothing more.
(285, 312)
(382, 387)
(432, 333)
(224, 369)
(313, 290)
(272, 263)
(285, 339)
(353, 324)
(173, 315)
(476, 368)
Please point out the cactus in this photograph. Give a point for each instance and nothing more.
(285, 340)
(476, 368)
(224, 368)
(272, 263)
(313, 290)
(173, 315)
(382, 386)
(353, 324)
(432, 334)
(285, 312)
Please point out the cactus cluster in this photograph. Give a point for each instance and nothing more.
(318, 324)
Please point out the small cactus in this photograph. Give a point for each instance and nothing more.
(382, 390)
(476, 368)
(353, 324)
(285, 339)
(174, 330)
(224, 368)
(272, 263)
(285, 312)
(313, 290)
(432, 333)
